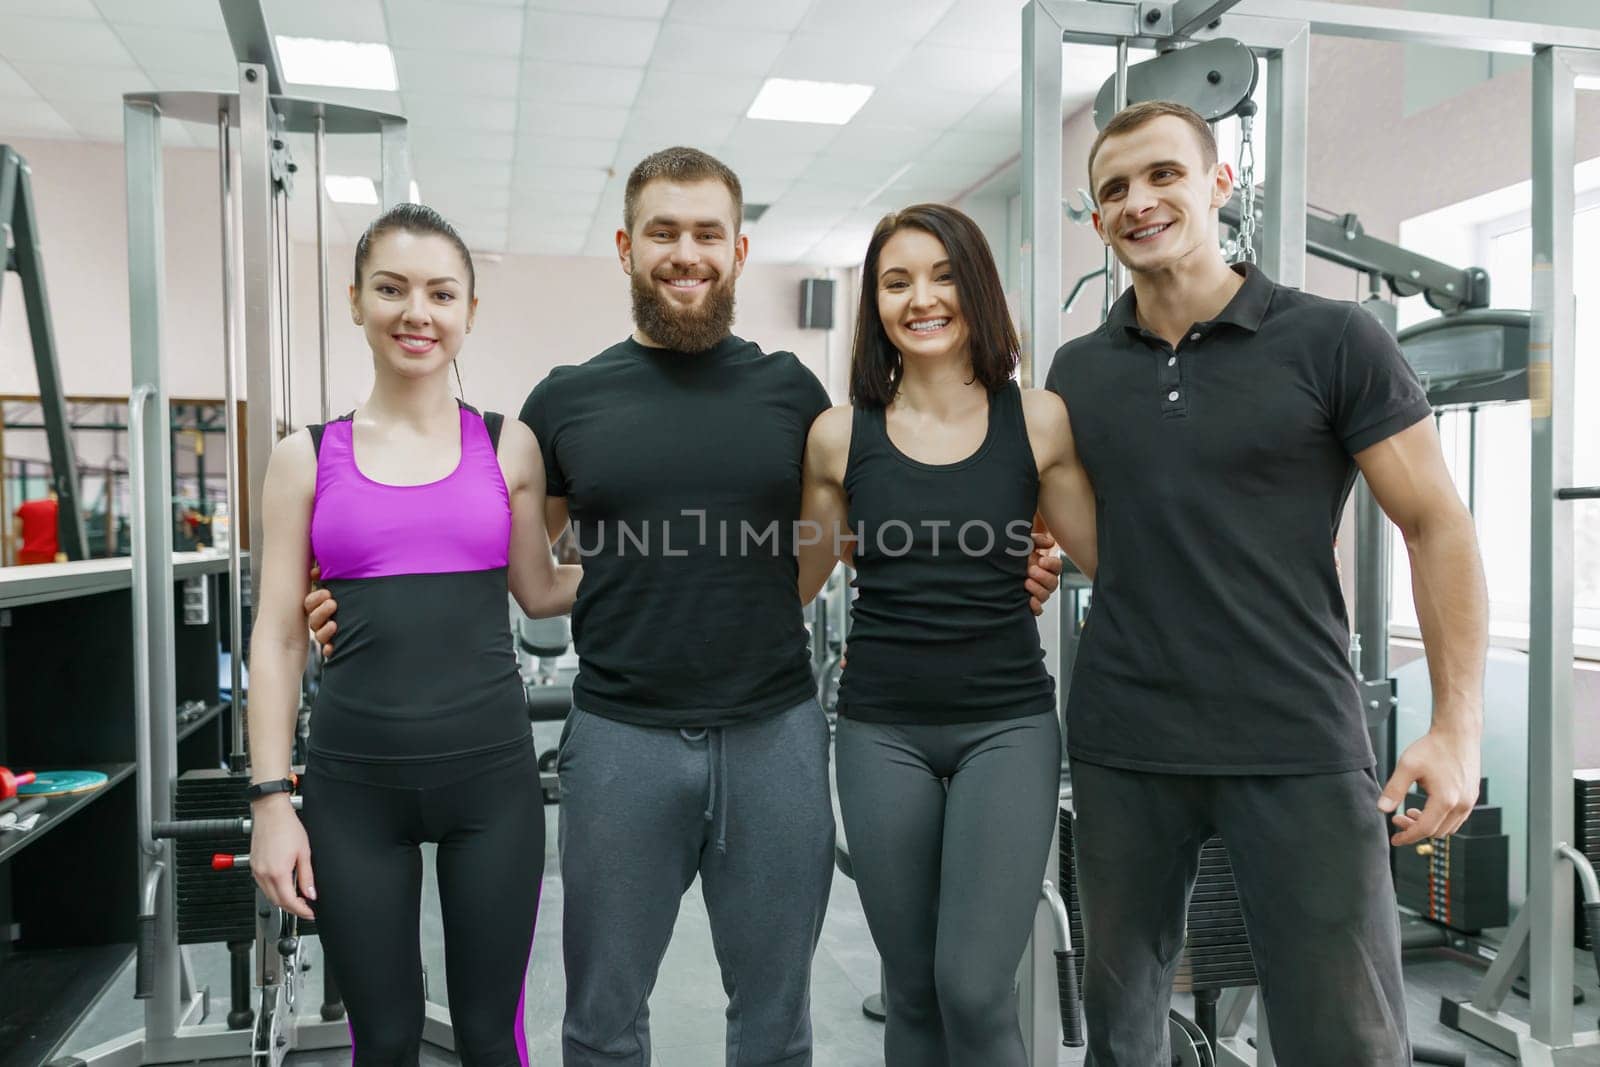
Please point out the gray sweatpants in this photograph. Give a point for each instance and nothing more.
(1310, 857)
(949, 829)
(645, 809)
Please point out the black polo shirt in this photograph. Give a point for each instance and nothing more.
(1217, 642)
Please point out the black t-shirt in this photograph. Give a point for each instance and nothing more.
(682, 478)
(1217, 641)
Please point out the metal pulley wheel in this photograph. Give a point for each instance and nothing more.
(1189, 1046)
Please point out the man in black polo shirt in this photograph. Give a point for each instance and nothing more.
(1222, 419)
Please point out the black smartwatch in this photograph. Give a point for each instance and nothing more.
(256, 790)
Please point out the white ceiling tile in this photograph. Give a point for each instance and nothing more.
(861, 140)
(764, 188)
(924, 107)
(991, 24)
(787, 216)
(33, 39)
(13, 85)
(756, 160)
(194, 14)
(471, 197)
(94, 120)
(685, 46)
(204, 53)
(766, 15)
(571, 120)
(557, 210)
(167, 81)
(556, 179)
(964, 147)
(601, 242)
(820, 200)
(536, 243)
(950, 177)
(443, 140)
(455, 27)
(436, 71)
(719, 93)
(66, 9)
(831, 168)
(57, 81)
(909, 20)
(433, 168)
(461, 112)
(838, 57)
(567, 38)
(999, 112)
(1085, 67)
(34, 118)
(762, 135)
(643, 9)
(590, 153)
(663, 127)
(580, 83)
(347, 20)
(903, 197)
(953, 70)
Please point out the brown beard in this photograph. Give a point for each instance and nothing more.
(677, 328)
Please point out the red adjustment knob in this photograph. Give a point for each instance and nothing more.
(221, 861)
(10, 782)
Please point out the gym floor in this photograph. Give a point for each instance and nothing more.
(686, 1010)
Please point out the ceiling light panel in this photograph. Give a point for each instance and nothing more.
(545, 82)
(567, 38)
(350, 189)
(825, 103)
(347, 64)
(426, 24)
(57, 40)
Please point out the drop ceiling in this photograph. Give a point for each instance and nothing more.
(525, 117)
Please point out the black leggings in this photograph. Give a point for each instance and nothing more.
(365, 822)
(949, 832)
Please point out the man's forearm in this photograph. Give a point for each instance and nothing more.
(1453, 609)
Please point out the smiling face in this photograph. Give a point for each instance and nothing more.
(413, 302)
(918, 303)
(1156, 196)
(683, 256)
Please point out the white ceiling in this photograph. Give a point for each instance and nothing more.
(526, 115)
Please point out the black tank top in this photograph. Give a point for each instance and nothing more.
(941, 630)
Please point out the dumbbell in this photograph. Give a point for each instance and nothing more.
(10, 782)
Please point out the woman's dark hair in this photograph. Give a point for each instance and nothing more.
(417, 219)
(875, 367)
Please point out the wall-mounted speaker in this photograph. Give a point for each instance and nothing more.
(816, 304)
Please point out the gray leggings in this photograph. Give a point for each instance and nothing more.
(949, 828)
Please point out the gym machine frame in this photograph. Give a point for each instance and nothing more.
(254, 123)
(1279, 31)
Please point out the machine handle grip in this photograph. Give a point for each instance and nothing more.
(1071, 1003)
(192, 828)
(144, 965)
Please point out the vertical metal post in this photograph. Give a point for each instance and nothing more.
(285, 280)
(153, 610)
(395, 165)
(230, 416)
(1117, 278)
(322, 263)
(1283, 230)
(255, 201)
(1551, 357)
(1041, 336)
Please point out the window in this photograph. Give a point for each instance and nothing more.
(1490, 460)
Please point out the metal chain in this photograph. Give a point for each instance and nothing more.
(1246, 251)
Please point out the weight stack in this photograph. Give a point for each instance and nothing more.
(1216, 952)
(1459, 881)
(214, 905)
(1586, 831)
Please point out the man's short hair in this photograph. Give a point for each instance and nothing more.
(679, 164)
(1135, 115)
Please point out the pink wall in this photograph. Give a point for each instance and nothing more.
(535, 313)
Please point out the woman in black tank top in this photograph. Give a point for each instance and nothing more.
(948, 744)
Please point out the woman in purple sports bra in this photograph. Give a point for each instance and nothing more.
(420, 513)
